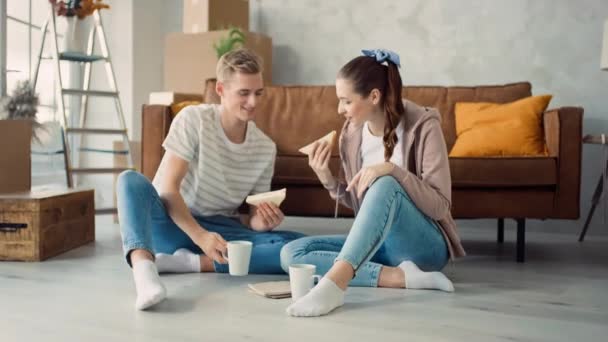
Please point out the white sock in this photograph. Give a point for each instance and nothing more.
(150, 290)
(321, 300)
(418, 279)
(181, 261)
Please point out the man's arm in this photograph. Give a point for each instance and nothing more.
(174, 170)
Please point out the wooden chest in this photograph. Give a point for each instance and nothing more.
(45, 222)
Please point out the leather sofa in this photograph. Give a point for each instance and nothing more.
(514, 187)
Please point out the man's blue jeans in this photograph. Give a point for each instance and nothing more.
(145, 224)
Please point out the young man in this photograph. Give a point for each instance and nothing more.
(215, 157)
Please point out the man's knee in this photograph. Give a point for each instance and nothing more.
(130, 180)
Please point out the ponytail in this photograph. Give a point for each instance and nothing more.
(393, 109)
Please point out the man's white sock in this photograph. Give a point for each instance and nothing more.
(150, 290)
(321, 300)
(181, 261)
(418, 279)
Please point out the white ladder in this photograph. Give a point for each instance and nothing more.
(86, 59)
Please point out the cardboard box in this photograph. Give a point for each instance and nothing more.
(45, 222)
(167, 98)
(212, 15)
(190, 58)
(15, 161)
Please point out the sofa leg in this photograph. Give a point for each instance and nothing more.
(500, 236)
(521, 240)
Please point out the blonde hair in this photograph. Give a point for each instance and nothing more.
(239, 60)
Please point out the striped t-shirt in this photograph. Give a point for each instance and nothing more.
(220, 173)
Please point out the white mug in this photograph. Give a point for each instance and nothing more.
(238, 256)
(301, 279)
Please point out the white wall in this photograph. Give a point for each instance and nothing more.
(554, 44)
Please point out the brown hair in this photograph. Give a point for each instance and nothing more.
(366, 74)
(239, 60)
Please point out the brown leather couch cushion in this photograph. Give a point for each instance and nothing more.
(288, 109)
(503, 172)
(285, 114)
(295, 170)
(466, 172)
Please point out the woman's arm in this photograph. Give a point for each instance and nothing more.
(318, 160)
(337, 189)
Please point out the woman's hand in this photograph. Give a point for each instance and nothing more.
(368, 175)
(318, 160)
(267, 216)
(212, 244)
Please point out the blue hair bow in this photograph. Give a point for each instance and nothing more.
(383, 55)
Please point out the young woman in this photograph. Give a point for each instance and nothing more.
(215, 157)
(397, 180)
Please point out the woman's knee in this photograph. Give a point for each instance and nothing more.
(383, 185)
(287, 254)
(291, 252)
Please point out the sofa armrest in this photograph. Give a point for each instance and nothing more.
(563, 136)
(155, 123)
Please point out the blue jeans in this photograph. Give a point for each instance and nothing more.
(388, 229)
(145, 224)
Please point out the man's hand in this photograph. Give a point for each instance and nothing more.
(368, 175)
(266, 217)
(212, 244)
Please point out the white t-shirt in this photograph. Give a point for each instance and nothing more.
(372, 147)
(220, 173)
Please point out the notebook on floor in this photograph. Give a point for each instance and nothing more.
(272, 289)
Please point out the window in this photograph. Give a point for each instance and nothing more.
(24, 19)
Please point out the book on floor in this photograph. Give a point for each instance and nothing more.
(272, 289)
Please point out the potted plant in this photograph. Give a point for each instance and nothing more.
(74, 11)
(17, 128)
(236, 38)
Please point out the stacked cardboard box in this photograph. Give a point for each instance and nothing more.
(190, 57)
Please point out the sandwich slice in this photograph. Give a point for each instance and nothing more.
(329, 138)
(275, 197)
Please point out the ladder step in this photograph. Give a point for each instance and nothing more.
(106, 211)
(74, 56)
(47, 153)
(101, 150)
(89, 92)
(101, 170)
(96, 131)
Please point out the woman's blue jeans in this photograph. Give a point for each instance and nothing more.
(388, 229)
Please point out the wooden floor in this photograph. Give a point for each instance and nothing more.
(559, 294)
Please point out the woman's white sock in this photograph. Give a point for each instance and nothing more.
(418, 279)
(150, 290)
(321, 300)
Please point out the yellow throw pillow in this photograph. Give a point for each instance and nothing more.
(176, 107)
(490, 129)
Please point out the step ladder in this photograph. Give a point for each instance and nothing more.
(86, 60)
